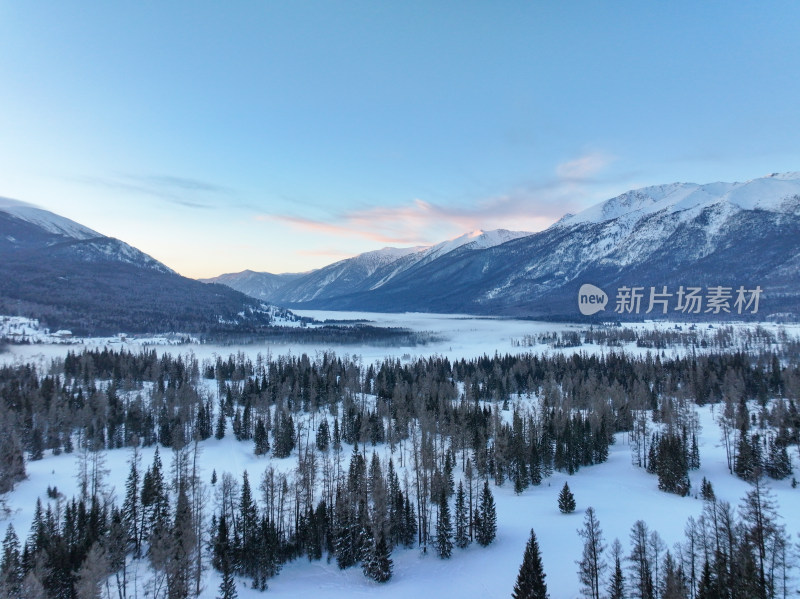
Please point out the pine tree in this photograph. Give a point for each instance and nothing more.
(486, 517)
(248, 530)
(180, 545)
(410, 523)
(130, 506)
(530, 582)
(11, 573)
(778, 465)
(706, 490)
(462, 518)
(566, 500)
(219, 431)
(616, 586)
(444, 528)
(323, 436)
(221, 549)
(379, 565)
(227, 588)
(708, 589)
(261, 438)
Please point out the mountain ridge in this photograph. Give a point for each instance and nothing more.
(672, 234)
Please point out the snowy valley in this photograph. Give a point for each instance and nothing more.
(407, 406)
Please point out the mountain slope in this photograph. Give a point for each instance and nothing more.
(682, 234)
(69, 276)
(362, 273)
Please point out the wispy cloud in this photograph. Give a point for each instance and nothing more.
(532, 207)
(584, 167)
(181, 191)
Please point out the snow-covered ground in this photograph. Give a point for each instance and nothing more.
(619, 492)
(456, 336)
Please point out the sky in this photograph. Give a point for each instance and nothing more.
(284, 136)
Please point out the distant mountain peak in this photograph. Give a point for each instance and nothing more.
(688, 199)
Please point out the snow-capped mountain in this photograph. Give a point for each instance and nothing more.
(69, 276)
(365, 272)
(681, 234)
(23, 226)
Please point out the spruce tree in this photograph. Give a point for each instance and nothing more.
(706, 490)
(219, 431)
(261, 438)
(130, 506)
(486, 517)
(444, 528)
(530, 582)
(11, 572)
(378, 565)
(616, 586)
(227, 588)
(462, 518)
(566, 500)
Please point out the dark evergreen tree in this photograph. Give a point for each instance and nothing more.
(530, 582)
(180, 543)
(616, 586)
(11, 572)
(131, 505)
(462, 516)
(380, 563)
(227, 587)
(486, 517)
(566, 500)
(221, 556)
(247, 531)
(410, 523)
(444, 528)
(219, 430)
(261, 438)
(707, 490)
(777, 465)
(155, 501)
(323, 437)
(707, 588)
(672, 466)
(747, 463)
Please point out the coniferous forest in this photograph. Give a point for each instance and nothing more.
(368, 458)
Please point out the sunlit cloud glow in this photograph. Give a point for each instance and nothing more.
(530, 207)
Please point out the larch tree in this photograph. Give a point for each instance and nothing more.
(592, 564)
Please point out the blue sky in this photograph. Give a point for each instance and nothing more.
(283, 136)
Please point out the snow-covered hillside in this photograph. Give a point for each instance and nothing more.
(52, 223)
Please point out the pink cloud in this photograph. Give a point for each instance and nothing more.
(527, 208)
